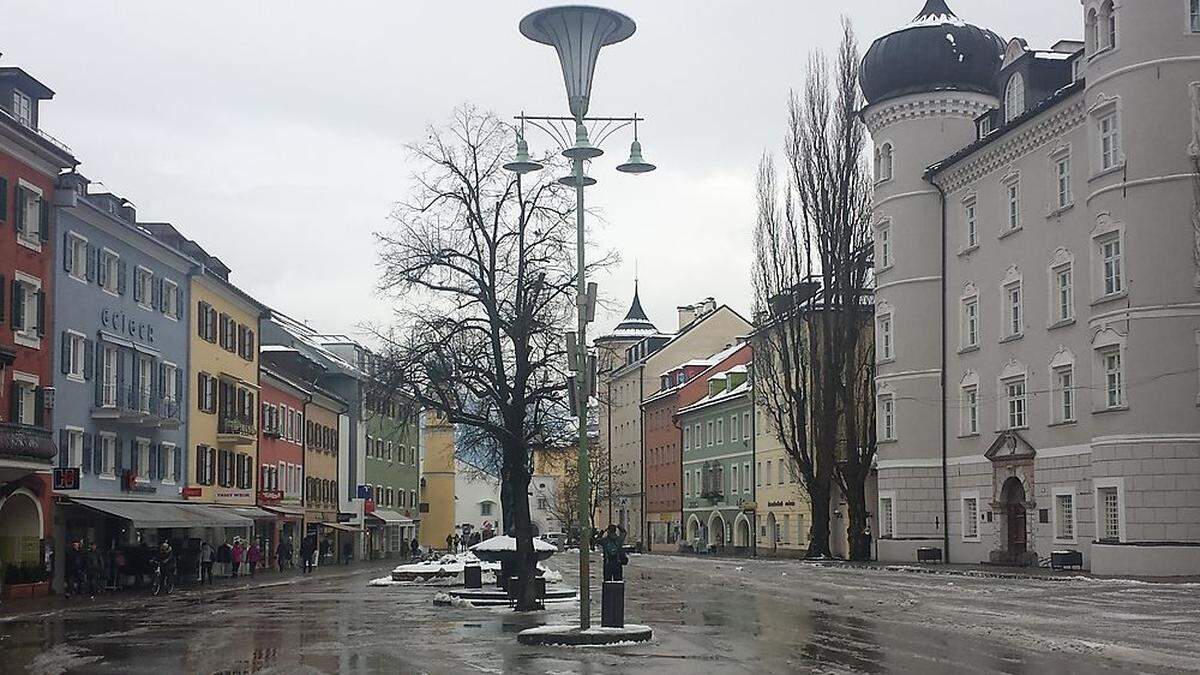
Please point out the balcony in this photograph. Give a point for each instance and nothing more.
(236, 428)
(23, 450)
(138, 407)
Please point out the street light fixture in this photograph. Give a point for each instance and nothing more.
(577, 33)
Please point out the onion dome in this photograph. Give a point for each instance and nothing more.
(936, 51)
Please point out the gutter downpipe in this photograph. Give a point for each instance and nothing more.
(942, 412)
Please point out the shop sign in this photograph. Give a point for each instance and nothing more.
(781, 503)
(270, 496)
(365, 492)
(125, 326)
(369, 506)
(129, 483)
(235, 494)
(191, 491)
(66, 478)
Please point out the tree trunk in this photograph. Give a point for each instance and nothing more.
(517, 479)
(818, 540)
(856, 504)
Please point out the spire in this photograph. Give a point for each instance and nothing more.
(935, 8)
(635, 310)
(636, 324)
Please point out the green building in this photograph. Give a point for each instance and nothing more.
(718, 456)
(392, 470)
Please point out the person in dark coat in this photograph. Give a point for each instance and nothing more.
(612, 545)
(283, 554)
(95, 569)
(308, 548)
(225, 556)
(347, 552)
(76, 569)
(415, 547)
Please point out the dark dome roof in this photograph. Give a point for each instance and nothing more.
(935, 51)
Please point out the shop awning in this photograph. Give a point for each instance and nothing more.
(390, 517)
(288, 512)
(146, 514)
(344, 527)
(251, 512)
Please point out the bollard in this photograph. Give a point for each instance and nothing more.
(514, 583)
(472, 576)
(612, 605)
(539, 587)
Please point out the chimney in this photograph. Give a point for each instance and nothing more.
(128, 212)
(687, 314)
(690, 313)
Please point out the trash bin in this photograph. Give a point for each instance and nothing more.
(473, 576)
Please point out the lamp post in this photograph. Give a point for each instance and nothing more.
(577, 33)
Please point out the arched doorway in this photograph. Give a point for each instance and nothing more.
(20, 529)
(693, 529)
(716, 530)
(771, 530)
(1012, 497)
(741, 532)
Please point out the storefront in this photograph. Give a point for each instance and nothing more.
(388, 533)
(289, 522)
(334, 539)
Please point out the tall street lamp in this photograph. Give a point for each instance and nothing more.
(577, 33)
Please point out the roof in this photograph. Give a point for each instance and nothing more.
(720, 397)
(686, 329)
(635, 324)
(28, 84)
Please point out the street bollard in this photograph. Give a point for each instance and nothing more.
(472, 576)
(514, 583)
(539, 587)
(612, 605)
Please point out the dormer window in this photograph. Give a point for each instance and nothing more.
(1014, 97)
(22, 108)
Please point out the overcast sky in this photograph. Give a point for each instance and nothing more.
(272, 132)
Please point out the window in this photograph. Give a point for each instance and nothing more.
(758, 474)
(970, 403)
(170, 384)
(970, 518)
(1012, 309)
(687, 438)
(1110, 142)
(720, 431)
(1064, 394)
(485, 508)
(171, 462)
(1064, 516)
(32, 216)
(708, 433)
(1064, 294)
(697, 440)
(1108, 505)
(1014, 97)
(141, 458)
(1014, 396)
(884, 161)
(970, 335)
(109, 271)
(72, 450)
(887, 417)
(734, 432)
(170, 299)
(746, 477)
(885, 246)
(1108, 24)
(106, 450)
(22, 108)
(145, 367)
(885, 338)
(767, 475)
(1012, 193)
(1194, 15)
(108, 387)
(75, 256)
(74, 349)
(1062, 173)
(745, 426)
(1110, 254)
(972, 224)
(687, 484)
(887, 518)
(1092, 32)
(1114, 379)
(734, 483)
(143, 287)
(28, 310)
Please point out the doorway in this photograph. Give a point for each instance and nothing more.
(1016, 531)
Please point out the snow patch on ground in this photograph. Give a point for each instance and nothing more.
(447, 599)
(60, 658)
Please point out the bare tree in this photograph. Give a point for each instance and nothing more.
(814, 280)
(481, 264)
(564, 503)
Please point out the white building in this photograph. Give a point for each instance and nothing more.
(476, 500)
(1036, 215)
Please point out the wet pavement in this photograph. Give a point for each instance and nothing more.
(709, 615)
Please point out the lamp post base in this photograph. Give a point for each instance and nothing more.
(572, 636)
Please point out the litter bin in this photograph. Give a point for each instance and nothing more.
(473, 576)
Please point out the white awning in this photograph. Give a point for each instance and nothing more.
(390, 517)
(149, 514)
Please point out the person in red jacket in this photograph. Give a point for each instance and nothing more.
(253, 556)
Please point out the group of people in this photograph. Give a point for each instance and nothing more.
(89, 570)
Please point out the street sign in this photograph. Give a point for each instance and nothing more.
(270, 496)
(365, 492)
(66, 478)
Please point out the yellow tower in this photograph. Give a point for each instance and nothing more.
(437, 481)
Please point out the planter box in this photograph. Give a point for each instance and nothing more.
(32, 590)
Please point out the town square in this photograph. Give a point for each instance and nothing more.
(672, 337)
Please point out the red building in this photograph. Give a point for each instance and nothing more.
(681, 386)
(29, 162)
(281, 460)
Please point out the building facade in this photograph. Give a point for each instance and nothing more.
(436, 504)
(478, 514)
(29, 160)
(1042, 266)
(718, 460)
(393, 472)
(283, 422)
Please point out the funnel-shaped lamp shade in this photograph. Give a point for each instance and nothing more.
(636, 164)
(521, 164)
(577, 32)
(572, 181)
(583, 148)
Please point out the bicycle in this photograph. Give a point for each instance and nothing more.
(162, 582)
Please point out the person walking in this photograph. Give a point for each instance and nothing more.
(224, 557)
(449, 543)
(236, 556)
(347, 552)
(612, 545)
(253, 556)
(416, 548)
(283, 554)
(206, 562)
(308, 550)
(95, 569)
(76, 569)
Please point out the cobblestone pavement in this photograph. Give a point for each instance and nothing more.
(709, 615)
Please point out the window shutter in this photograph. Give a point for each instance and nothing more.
(64, 447)
(41, 313)
(200, 316)
(179, 388)
(18, 208)
(2, 298)
(39, 407)
(133, 458)
(43, 219)
(18, 305)
(137, 285)
(179, 303)
(14, 394)
(91, 263)
(67, 251)
(249, 345)
(119, 455)
(152, 462)
(212, 465)
(200, 461)
(121, 377)
(3, 199)
(200, 392)
(161, 385)
(178, 459)
(157, 295)
(89, 359)
(65, 357)
(98, 362)
(121, 274)
(101, 269)
(89, 457)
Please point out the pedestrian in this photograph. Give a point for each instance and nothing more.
(347, 552)
(95, 569)
(327, 550)
(284, 553)
(307, 550)
(206, 562)
(76, 569)
(253, 556)
(235, 556)
(225, 557)
(612, 545)
(449, 542)
(415, 547)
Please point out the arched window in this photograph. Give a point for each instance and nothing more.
(883, 162)
(1014, 97)
(1091, 32)
(1108, 24)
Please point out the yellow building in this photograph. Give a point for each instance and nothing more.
(436, 507)
(783, 511)
(223, 363)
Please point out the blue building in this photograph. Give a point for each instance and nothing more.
(121, 360)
